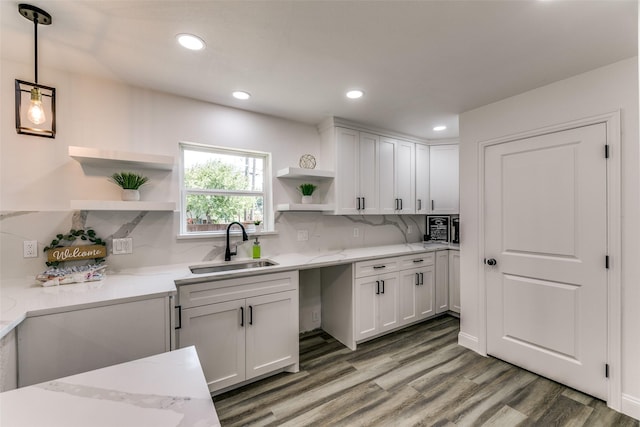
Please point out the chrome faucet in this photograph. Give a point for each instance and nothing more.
(227, 252)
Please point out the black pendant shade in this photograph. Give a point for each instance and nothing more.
(35, 103)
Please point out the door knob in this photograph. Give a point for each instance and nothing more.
(491, 261)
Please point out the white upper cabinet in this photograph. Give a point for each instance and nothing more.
(355, 182)
(405, 176)
(444, 179)
(387, 165)
(385, 175)
(422, 179)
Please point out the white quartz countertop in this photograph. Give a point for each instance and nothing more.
(20, 298)
(167, 389)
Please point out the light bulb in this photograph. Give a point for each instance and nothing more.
(36, 112)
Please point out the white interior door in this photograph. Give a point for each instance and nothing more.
(546, 229)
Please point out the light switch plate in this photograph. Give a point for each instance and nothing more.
(122, 246)
(303, 235)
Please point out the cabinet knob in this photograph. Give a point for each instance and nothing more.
(491, 261)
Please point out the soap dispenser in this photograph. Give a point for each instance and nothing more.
(256, 249)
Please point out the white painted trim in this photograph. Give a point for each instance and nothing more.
(630, 406)
(468, 341)
(614, 290)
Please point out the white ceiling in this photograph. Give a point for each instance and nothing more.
(421, 63)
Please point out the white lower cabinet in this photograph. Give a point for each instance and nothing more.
(376, 305)
(454, 281)
(366, 299)
(57, 345)
(242, 328)
(442, 281)
(417, 288)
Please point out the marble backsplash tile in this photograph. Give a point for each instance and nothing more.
(155, 239)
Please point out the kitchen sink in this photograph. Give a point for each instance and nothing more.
(216, 268)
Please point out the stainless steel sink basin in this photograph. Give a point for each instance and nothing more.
(230, 266)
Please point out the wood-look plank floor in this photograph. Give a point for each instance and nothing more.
(418, 376)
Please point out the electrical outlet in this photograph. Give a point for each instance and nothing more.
(303, 235)
(30, 249)
(356, 232)
(122, 246)
(315, 316)
(409, 229)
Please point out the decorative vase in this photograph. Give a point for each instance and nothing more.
(307, 200)
(131, 195)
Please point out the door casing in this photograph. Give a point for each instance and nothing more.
(614, 301)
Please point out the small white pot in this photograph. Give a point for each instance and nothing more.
(131, 195)
(306, 200)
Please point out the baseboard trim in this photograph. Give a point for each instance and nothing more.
(468, 341)
(630, 406)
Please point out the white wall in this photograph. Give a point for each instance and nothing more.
(38, 178)
(607, 89)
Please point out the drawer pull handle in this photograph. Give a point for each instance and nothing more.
(378, 267)
(179, 308)
(418, 260)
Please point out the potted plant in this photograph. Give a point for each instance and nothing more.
(257, 223)
(307, 191)
(130, 182)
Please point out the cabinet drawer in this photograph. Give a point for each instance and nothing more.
(199, 294)
(376, 266)
(418, 260)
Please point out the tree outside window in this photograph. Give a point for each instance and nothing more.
(221, 186)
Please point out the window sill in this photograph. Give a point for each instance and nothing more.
(223, 235)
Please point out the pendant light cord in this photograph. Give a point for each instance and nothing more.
(35, 31)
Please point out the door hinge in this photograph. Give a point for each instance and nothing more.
(606, 370)
(606, 261)
(606, 151)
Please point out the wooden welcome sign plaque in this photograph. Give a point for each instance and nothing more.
(75, 253)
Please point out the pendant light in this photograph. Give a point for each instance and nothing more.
(40, 108)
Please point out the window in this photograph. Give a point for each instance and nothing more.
(222, 185)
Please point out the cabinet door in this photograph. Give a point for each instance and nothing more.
(442, 281)
(368, 177)
(348, 171)
(405, 176)
(408, 306)
(386, 172)
(454, 281)
(422, 179)
(417, 294)
(366, 307)
(218, 332)
(426, 292)
(443, 174)
(388, 317)
(61, 344)
(271, 332)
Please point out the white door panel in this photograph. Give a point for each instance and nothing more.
(545, 224)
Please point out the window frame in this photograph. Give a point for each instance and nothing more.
(266, 193)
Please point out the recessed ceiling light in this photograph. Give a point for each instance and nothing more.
(239, 94)
(355, 94)
(190, 41)
(439, 128)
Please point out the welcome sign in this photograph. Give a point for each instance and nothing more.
(75, 253)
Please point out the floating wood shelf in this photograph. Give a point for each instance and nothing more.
(298, 207)
(120, 159)
(301, 173)
(118, 205)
